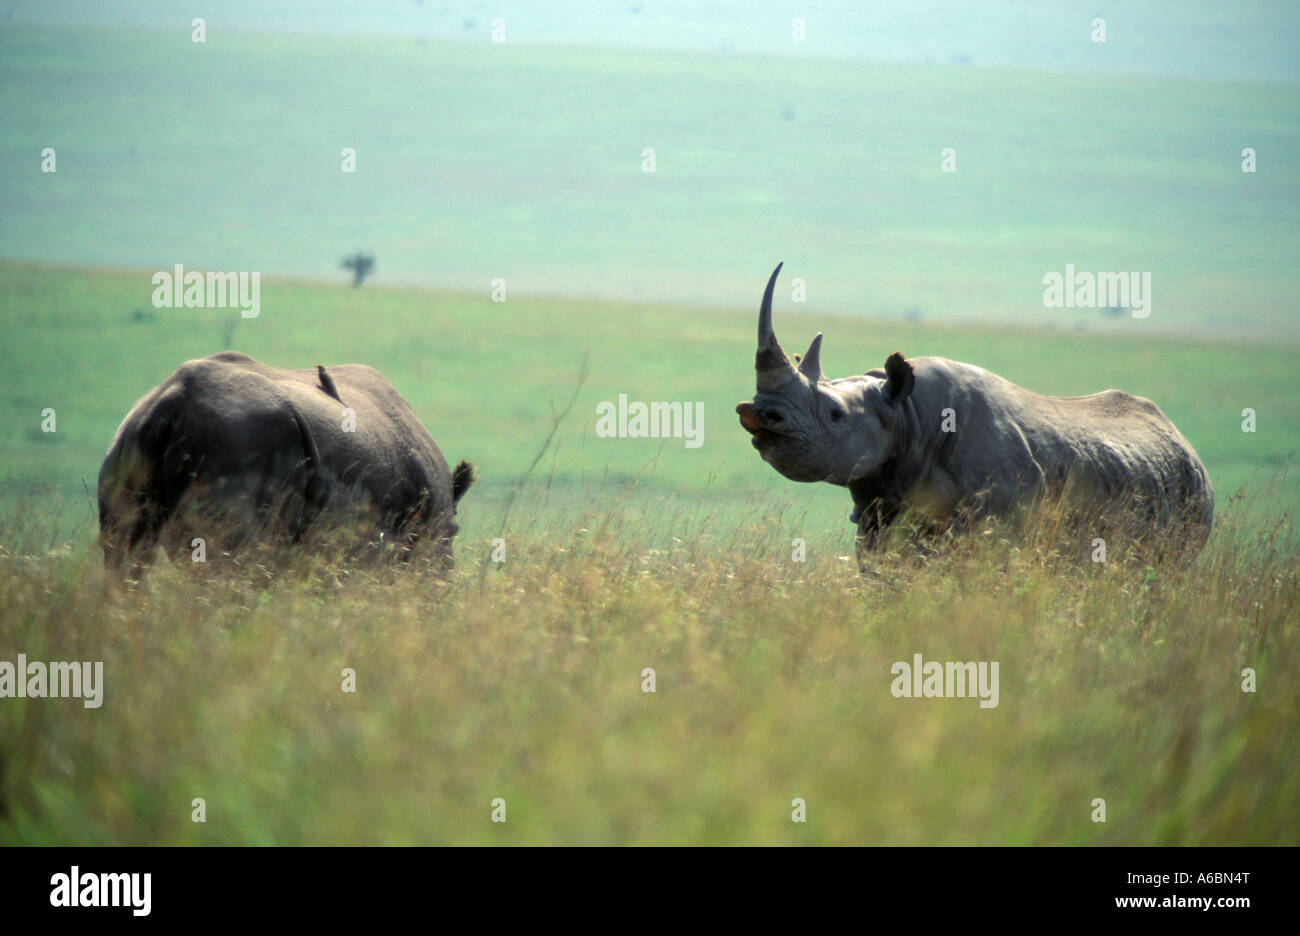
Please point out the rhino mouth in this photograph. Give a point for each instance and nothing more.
(753, 425)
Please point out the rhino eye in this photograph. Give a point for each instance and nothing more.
(837, 414)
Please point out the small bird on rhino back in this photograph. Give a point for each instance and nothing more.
(952, 440)
(228, 451)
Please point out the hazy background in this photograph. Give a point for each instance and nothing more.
(522, 160)
(1254, 40)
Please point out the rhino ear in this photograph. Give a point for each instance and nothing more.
(899, 379)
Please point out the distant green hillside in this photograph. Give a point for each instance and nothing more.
(478, 160)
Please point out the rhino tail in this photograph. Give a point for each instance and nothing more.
(461, 478)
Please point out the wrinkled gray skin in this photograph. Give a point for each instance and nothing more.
(880, 435)
(231, 450)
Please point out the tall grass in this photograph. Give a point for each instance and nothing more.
(523, 680)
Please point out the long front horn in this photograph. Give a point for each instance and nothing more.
(771, 364)
(810, 365)
(765, 310)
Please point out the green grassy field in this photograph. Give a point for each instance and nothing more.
(523, 680)
(485, 378)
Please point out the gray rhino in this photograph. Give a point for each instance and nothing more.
(953, 440)
(231, 450)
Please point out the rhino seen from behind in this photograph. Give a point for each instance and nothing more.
(232, 451)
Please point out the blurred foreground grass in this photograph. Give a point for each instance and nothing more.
(523, 680)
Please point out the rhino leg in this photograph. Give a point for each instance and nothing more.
(872, 517)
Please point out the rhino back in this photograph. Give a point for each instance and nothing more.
(206, 439)
(238, 438)
(1009, 441)
(368, 438)
(384, 449)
